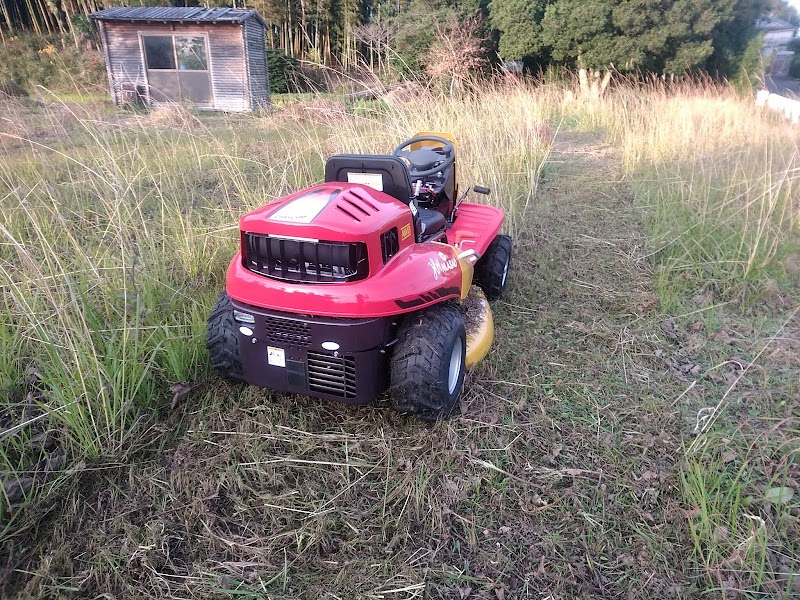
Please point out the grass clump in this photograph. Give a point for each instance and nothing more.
(741, 488)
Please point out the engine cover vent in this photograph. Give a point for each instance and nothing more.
(305, 260)
(390, 244)
(328, 374)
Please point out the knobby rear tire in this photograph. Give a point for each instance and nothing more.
(428, 363)
(222, 342)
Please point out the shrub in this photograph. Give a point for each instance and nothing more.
(751, 66)
(11, 88)
(51, 61)
(283, 71)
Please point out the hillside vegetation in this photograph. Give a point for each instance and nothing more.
(634, 432)
(444, 40)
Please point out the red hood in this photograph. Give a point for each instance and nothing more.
(329, 211)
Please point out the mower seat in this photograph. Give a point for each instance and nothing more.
(356, 168)
(431, 220)
(394, 180)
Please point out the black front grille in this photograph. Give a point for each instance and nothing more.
(328, 374)
(288, 332)
(305, 260)
(389, 244)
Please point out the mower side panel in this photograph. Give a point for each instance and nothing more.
(419, 275)
(293, 353)
(481, 222)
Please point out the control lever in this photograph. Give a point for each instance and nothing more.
(464, 236)
(478, 189)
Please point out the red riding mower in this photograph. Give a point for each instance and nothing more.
(365, 283)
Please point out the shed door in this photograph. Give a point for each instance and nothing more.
(177, 68)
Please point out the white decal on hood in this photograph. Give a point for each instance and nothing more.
(303, 209)
(442, 265)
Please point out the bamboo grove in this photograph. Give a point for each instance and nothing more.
(413, 36)
(331, 32)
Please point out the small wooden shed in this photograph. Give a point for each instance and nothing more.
(212, 58)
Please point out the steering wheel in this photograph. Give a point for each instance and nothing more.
(427, 161)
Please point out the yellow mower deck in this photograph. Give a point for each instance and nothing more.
(479, 324)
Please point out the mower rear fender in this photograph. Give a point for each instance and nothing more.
(419, 275)
(475, 226)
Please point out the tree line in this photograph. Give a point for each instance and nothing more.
(631, 36)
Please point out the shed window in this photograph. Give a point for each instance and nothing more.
(160, 52)
(177, 68)
(164, 52)
(191, 53)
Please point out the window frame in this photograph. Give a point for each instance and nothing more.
(173, 34)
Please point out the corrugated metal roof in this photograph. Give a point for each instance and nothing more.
(773, 24)
(161, 14)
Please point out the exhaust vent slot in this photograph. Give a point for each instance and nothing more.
(358, 207)
(348, 213)
(332, 375)
(356, 193)
(355, 206)
(390, 245)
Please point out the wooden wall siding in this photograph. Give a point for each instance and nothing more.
(258, 76)
(229, 81)
(109, 75)
(124, 60)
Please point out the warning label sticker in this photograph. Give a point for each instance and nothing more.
(276, 356)
(373, 180)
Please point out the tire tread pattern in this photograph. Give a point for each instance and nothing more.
(222, 342)
(417, 364)
(489, 270)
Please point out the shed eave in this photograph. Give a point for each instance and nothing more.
(235, 20)
(170, 22)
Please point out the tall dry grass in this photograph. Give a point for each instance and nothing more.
(717, 177)
(116, 230)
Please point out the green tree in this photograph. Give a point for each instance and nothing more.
(418, 23)
(670, 36)
(734, 30)
(519, 24)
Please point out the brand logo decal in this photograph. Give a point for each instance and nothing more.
(442, 265)
(405, 232)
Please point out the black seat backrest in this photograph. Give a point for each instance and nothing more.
(393, 172)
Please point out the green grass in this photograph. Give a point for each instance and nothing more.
(573, 471)
(723, 222)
